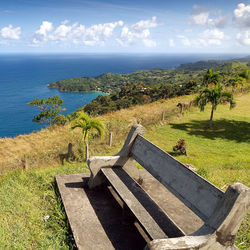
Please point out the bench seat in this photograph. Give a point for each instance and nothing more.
(152, 219)
(221, 212)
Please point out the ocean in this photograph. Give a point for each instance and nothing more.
(25, 77)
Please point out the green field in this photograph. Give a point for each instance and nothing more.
(26, 199)
(222, 152)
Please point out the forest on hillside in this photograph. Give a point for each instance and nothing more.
(111, 83)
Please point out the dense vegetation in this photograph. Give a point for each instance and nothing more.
(141, 93)
(111, 83)
(150, 85)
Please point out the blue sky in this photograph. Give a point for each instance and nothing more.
(115, 26)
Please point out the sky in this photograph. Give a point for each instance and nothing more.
(119, 26)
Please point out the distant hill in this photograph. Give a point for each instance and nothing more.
(111, 83)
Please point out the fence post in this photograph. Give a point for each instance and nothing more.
(163, 116)
(24, 163)
(110, 139)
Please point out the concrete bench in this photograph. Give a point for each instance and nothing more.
(221, 212)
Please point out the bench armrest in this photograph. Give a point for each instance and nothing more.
(96, 163)
(185, 243)
(122, 159)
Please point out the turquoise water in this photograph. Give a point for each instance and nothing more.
(25, 77)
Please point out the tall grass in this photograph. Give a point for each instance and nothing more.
(31, 212)
(42, 148)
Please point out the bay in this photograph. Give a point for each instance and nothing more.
(24, 77)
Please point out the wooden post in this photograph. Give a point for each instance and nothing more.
(190, 104)
(110, 139)
(24, 163)
(163, 116)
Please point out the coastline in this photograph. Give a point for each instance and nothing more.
(17, 116)
(77, 91)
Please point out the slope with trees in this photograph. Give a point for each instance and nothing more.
(111, 83)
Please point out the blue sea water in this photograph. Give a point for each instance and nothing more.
(25, 77)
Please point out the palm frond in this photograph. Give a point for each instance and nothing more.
(98, 126)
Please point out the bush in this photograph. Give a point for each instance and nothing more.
(60, 120)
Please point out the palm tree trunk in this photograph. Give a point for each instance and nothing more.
(86, 151)
(211, 117)
(86, 143)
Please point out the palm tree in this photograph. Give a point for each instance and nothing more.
(87, 124)
(245, 74)
(211, 78)
(235, 82)
(215, 96)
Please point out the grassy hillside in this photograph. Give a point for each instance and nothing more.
(221, 154)
(112, 83)
(26, 199)
(223, 151)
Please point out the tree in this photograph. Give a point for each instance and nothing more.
(49, 109)
(211, 78)
(235, 82)
(245, 74)
(60, 120)
(87, 124)
(215, 96)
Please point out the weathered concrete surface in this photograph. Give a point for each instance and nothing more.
(220, 213)
(188, 221)
(95, 217)
(197, 193)
(121, 159)
(154, 221)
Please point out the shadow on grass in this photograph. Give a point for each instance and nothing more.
(238, 131)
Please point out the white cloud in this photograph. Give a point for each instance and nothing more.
(203, 18)
(44, 28)
(97, 34)
(41, 35)
(185, 41)
(62, 31)
(75, 33)
(213, 34)
(206, 38)
(100, 32)
(138, 32)
(11, 33)
(242, 15)
(244, 38)
(145, 24)
(149, 43)
(219, 22)
(171, 42)
(200, 18)
(129, 36)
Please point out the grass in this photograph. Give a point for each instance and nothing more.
(26, 198)
(42, 148)
(221, 154)
(222, 151)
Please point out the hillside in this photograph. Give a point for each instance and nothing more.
(111, 83)
(221, 155)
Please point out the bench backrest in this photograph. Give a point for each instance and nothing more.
(194, 191)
